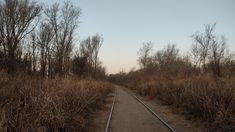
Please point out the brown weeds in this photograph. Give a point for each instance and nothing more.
(204, 97)
(36, 104)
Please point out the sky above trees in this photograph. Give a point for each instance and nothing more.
(126, 24)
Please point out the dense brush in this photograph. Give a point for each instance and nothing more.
(36, 104)
(204, 97)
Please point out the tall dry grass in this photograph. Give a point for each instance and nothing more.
(203, 97)
(36, 104)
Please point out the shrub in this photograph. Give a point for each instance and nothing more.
(204, 97)
(36, 104)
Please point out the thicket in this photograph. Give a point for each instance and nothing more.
(30, 103)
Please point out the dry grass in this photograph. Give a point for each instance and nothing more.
(36, 104)
(202, 97)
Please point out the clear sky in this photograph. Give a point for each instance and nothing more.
(126, 24)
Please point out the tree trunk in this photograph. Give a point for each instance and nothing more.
(11, 62)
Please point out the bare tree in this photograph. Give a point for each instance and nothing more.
(202, 44)
(3, 51)
(86, 50)
(209, 48)
(97, 42)
(89, 48)
(168, 59)
(80, 65)
(63, 24)
(44, 39)
(144, 54)
(217, 53)
(33, 47)
(17, 18)
(228, 65)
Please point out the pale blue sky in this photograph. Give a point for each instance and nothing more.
(126, 24)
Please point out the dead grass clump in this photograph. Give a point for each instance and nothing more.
(203, 97)
(206, 97)
(36, 104)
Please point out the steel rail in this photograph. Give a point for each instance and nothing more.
(156, 115)
(110, 114)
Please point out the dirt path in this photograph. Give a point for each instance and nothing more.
(176, 120)
(131, 116)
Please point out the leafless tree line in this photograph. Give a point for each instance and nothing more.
(87, 57)
(41, 40)
(209, 48)
(208, 53)
(17, 21)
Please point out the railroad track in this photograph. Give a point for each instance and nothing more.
(156, 115)
(146, 106)
(111, 112)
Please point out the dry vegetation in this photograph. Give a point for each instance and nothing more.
(201, 97)
(35, 104)
(39, 41)
(202, 86)
(39, 85)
